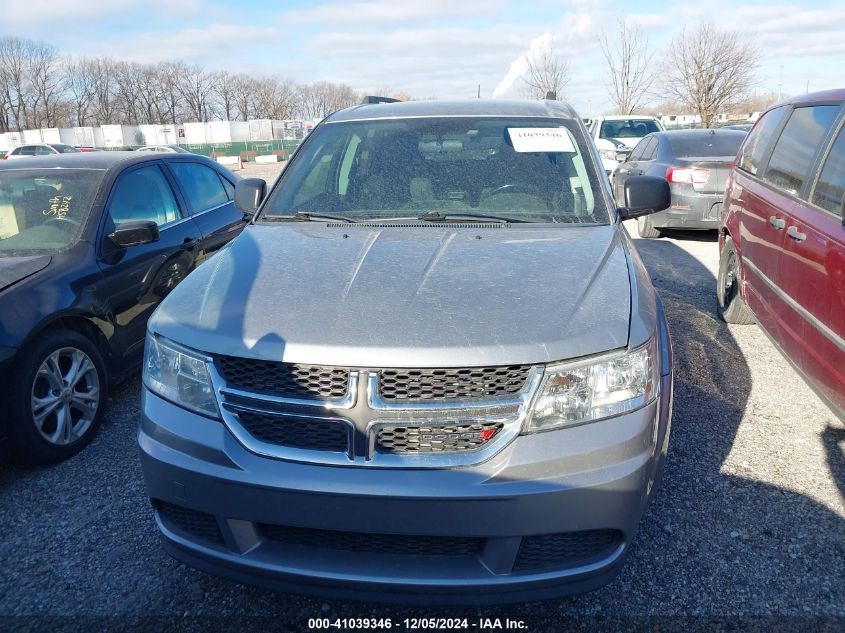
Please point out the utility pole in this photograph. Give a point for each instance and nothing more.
(479, 91)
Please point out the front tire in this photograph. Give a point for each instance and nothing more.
(645, 228)
(732, 307)
(58, 394)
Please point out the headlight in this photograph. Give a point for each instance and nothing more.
(584, 391)
(178, 375)
(609, 154)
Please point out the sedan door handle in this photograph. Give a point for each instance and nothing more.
(777, 222)
(795, 234)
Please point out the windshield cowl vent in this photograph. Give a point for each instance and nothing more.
(417, 225)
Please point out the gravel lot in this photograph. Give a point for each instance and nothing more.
(750, 520)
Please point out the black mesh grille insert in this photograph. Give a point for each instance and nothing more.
(296, 432)
(449, 384)
(283, 379)
(394, 544)
(437, 438)
(554, 550)
(199, 524)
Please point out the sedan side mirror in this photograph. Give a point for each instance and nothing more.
(135, 233)
(645, 195)
(249, 193)
(621, 157)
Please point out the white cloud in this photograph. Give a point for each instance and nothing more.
(43, 13)
(390, 11)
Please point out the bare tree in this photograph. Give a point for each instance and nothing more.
(80, 83)
(318, 99)
(225, 91)
(545, 72)
(632, 73)
(196, 87)
(47, 84)
(708, 69)
(14, 80)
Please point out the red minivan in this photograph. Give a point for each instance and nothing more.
(782, 237)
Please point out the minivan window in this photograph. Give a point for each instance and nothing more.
(628, 128)
(392, 168)
(793, 155)
(830, 189)
(758, 142)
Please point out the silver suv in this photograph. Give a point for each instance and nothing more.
(433, 367)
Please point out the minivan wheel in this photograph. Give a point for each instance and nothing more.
(59, 391)
(732, 307)
(645, 228)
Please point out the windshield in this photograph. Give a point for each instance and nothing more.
(44, 213)
(628, 128)
(529, 170)
(725, 144)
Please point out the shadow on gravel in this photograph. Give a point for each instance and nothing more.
(690, 236)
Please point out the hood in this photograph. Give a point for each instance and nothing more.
(15, 269)
(406, 296)
(626, 142)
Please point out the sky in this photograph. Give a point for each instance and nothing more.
(429, 48)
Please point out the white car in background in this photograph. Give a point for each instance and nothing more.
(39, 149)
(618, 134)
(170, 149)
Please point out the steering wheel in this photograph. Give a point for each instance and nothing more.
(512, 188)
(57, 218)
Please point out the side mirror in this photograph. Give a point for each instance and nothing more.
(249, 193)
(645, 195)
(135, 233)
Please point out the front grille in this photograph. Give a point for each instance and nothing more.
(451, 384)
(392, 544)
(284, 379)
(568, 548)
(435, 438)
(296, 432)
(199, 524)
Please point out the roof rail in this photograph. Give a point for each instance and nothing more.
(375, 99)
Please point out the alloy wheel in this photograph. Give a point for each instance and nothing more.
(65, 396)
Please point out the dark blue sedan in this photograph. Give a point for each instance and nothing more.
(90, 243)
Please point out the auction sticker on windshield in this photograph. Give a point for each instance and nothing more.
(541, 139)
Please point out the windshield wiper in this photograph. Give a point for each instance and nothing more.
(436, 216)
(302, 216)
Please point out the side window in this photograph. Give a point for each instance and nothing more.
(27, 150)
(201, 184)
(830, 189)
(639, 151)
(760, 139)
(229, 187)
(793, 155)
(144, 194)
(650, 152)
(43, 150)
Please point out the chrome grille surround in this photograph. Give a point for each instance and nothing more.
(365, 413)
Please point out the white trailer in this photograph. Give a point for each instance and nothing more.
(229, 131)
(121, 135)
(84, 136)
(14, 139)
(58, 135)
(197, 133)
(266, 129)
(32, 136)
(4, 143)
(155, 134)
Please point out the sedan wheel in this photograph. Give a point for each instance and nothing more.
(65, 396)
(58, 391)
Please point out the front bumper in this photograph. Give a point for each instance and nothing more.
(690, 211)
(386, 534)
